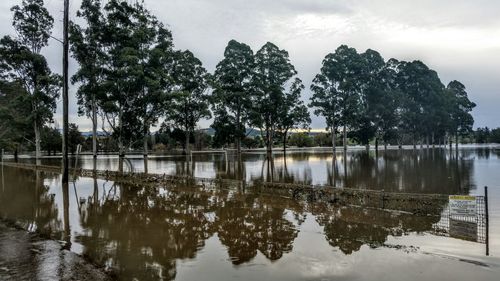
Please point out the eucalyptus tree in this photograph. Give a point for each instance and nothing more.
(378, 108)
(15, 110)
(154, 70)
(22, 62)
(422, 97)
(123, 104)
(272, 72)
(189, 98)
(325, 101)
(88, 49)
(341, 77)
(461, 120)
(232, 89)
(292, 112)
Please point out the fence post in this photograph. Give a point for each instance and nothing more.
(487, 221)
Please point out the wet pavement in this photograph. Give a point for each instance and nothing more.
(26, 256)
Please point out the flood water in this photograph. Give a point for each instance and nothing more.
(181, 232)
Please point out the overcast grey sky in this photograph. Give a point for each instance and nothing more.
(460, 39)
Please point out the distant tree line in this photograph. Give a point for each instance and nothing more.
(130, 79)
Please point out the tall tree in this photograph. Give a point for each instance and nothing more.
(32, 72)
(23, 63)
(190, 100)
(15, 110)
(460, 108)
(232, 88)
(292, 112)
(88, 49)
(121, 104)
(422, 98)
(272, 71)
(155, 74)
(340, 76)
(376, 99)
(325, 101)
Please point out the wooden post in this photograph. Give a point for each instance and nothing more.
(65, 93)
(487, 220)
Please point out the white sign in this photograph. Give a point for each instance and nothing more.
(462, 205)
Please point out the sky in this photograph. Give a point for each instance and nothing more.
(460, 39)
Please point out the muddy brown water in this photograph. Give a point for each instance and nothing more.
(180, 232)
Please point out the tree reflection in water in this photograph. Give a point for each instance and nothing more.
(143, 231)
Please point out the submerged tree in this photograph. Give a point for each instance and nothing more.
(22, 63)
(292, 112)
(338, 88)
(15, 109)
(87, 48)
(232, 91)
(460, 108)
(272, 71)
(325, 101)
(190, 100)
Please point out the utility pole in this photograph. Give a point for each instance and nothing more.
(65, 161)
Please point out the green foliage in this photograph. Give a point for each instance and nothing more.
(51, 140)
(33, 24)
(21, 63)
(495, 136)
(272, 71)
(301, 140)
(459, 109)
(75, 138)
(232, 95)
(292, 112)
(190, 99)
(485, 135)
(15, 126)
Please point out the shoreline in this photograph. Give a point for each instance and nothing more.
(25, 255)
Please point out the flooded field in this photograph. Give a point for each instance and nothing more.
(192, 232)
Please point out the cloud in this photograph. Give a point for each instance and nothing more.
(460, 39)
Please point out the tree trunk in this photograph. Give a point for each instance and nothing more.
(16, 152)
(94, 127)
(376, 144)
(238, 137)
(284, 142)
(345, 138)
(121, 150)
(269, 143)
(456, 140)
(145, 141)
(187, 148)
(38, 151)
(334, 145)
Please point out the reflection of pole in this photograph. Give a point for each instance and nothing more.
(67, 232)
(487, 221)
(345, 169)
(3, 178)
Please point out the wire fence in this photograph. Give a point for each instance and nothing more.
(471, 228)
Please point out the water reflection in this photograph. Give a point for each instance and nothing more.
(428, 170)
(143, 232)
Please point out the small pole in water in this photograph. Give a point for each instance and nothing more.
(487, 221)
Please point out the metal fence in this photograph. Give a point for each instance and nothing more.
(471, 228)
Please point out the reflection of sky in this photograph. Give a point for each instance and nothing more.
(83, 189)
(312, 258)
